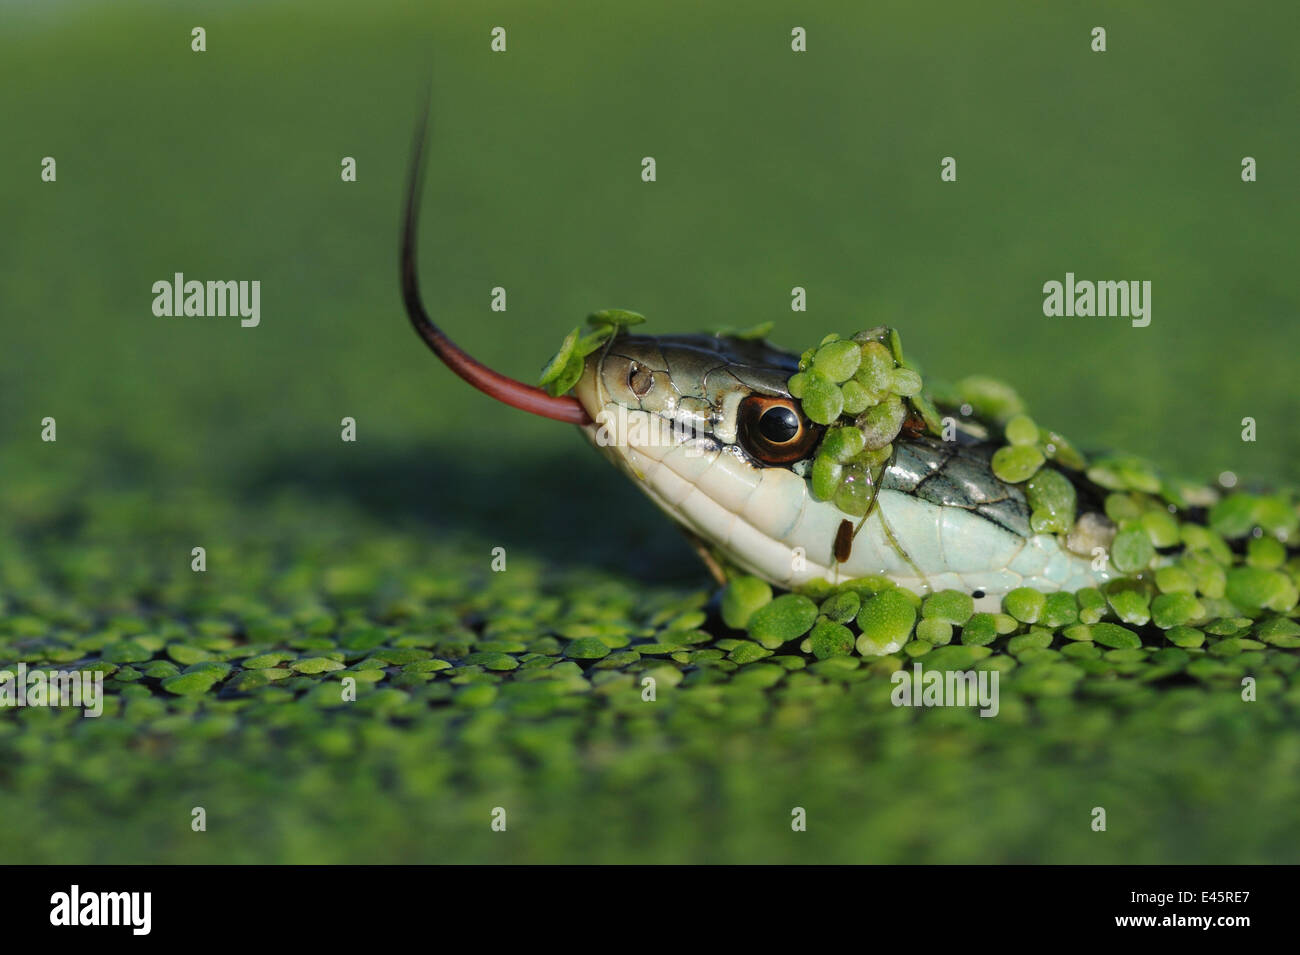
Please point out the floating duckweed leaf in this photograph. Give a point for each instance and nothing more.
(555, 368)
(1197, 538)
(1052, 501)
(1172, 610)
(1025, 604)
(185, 654)
(1016, 463)
(316, 665)
(1057, 448)
(1175, 580)
(434, 666)
(1036, 639)
(822, 399)
(99, 666)
(786, 618)
(1226, 648)
(953, 606)
(400, 656)
(876, 370)
(856, 398)
(1226, 627)
(1125, 656)
(1114, 636)
(250, 680)
(489, 661)
(826, 475)
(590, 343)
(1132, 551)
(741, 598)
(754, 333)
(1160, 527)
(955, 657)
(928, 412)
(747, 651)
(1005, 623)
(1085, 651)
(1060, 610)
(1123, 508)
(617, 318)
(1278, 515)
(881, 424)
(161, 669)
(1021, 430)
(979, 631)
(841, 607)
(568, 377)
(830, 639)
(190, 684)
(1092, 604)
(586, 648)
(895, 342)
(1266, 552)
(989, 397)
(1253, 588)
(838, 360)
(1278, 627)
(934, 632)
(1130, 605)
(905, 382)
(1211, 577)
(477, 695)
(885, 622)
(125, 651)
(1124, 473)
(264, 660)
(841, 443)
(1233, 516)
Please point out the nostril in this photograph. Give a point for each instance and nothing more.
(640, 379)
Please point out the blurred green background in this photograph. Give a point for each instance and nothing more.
(774, 170)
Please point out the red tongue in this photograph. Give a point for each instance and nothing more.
(495, 385)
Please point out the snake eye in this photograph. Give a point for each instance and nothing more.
(774, 431)
(640, 379)
(779, 424)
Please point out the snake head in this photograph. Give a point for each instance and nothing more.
(697, 393)
(707, 428)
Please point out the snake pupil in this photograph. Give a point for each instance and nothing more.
(778, 425)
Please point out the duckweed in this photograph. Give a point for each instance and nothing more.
(533, 688)
(1025, 604)
(885, 622)
(829, 639)
(1152, 523)
(950, 606)
(1016, 463)
(565, 367)
(742, 598)
(786, 618)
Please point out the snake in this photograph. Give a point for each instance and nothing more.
(706, 426)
